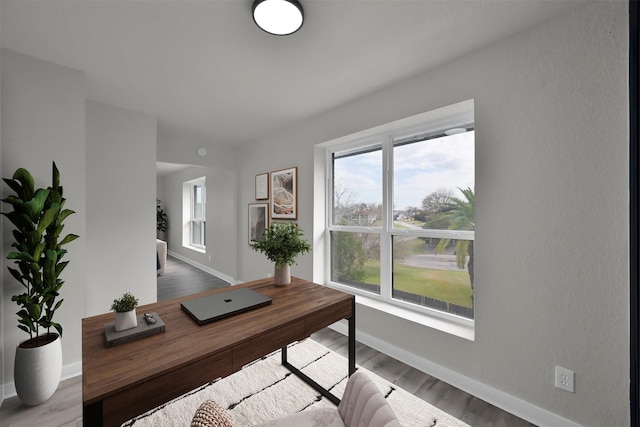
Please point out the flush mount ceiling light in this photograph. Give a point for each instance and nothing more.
(278, 17)
(454, 131)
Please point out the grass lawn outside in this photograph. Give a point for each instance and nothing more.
(451, 286)
(445, 285)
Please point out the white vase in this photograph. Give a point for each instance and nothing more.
(126, 320)
(282, 275)
(37, 371)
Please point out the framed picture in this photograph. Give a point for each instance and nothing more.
(284, 193)
(258, 220)
(262, 186)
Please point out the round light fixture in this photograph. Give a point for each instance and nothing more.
(454, 131)
(201, 151)
(278, 17)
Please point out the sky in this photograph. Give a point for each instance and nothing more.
(419, 169)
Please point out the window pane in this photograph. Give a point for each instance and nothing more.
(197, 202)
(203, 233)
(435, 273)
(429, 174)
(196, 233)
(355, 260)
(357, 188)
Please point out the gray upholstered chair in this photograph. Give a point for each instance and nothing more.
(362, 405)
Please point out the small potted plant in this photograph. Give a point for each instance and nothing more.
(125, 308)
(282, 243)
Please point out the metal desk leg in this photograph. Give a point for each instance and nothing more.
(351, 362)
(326, 393)
(352, 338)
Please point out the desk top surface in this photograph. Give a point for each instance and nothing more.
(107, 369)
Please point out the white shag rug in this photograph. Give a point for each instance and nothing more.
(264, 390)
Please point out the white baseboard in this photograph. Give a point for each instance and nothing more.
(204, 268)
(518, 407)
(68, 371)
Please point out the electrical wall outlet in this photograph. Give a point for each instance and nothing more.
(564, 379)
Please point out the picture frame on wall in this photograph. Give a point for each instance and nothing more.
(284, 193)
(262, 186)
(258, 221)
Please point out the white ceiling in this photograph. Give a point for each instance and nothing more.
(203, 66)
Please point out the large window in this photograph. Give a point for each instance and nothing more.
(194, 203)
(401, 216)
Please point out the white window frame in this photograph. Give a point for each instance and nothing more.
(189, 214)
(438, 119)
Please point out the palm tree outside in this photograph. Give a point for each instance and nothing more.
(460, 214)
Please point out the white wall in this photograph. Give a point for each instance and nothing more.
(107, 165)
(43, 121)
(181, 147)
(271, 155)
(221, 216)
(551, 214)
(219, 167)
(121, 192)
(107, 161)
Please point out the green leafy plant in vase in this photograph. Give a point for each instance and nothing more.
(38, 216)
(161, 219)
(282, 243)
(125, 308)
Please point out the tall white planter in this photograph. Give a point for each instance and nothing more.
(37, 372)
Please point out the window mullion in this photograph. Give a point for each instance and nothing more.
(328, 166)
(387, 218)
(204, 202)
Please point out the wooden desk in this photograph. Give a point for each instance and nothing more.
(121, 382)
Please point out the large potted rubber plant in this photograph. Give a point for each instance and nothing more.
(37, 256)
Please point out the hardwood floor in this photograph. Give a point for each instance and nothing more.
(461, 405)
(180, 279)
(64, 409)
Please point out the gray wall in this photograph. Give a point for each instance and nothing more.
(220, 213)
(106, 156)
(120, 202)
(43, 121)
(551, 109)
(219, 168)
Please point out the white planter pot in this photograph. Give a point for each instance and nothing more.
(126, 320)
(282, 276)
(37, 371)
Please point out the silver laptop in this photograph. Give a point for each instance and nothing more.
(218, 306)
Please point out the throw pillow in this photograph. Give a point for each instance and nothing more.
(211, 414)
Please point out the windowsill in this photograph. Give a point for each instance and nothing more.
(460, 327)
(197, 249)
